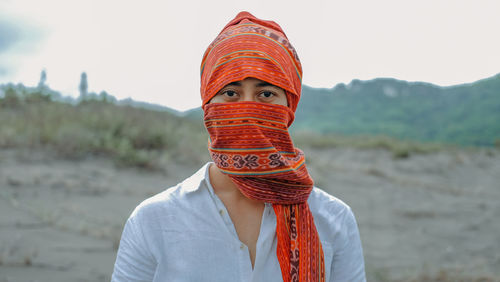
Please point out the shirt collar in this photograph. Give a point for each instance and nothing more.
(195, 181)
(200, 178)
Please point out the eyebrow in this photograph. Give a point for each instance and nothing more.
(260, 84)
(263, 84)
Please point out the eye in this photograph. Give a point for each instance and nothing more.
(229, 93)
(267, 94)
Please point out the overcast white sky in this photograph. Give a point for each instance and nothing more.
(151, 50)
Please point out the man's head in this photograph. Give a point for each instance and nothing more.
(252, 60)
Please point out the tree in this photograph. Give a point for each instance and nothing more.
(104, 96)
(83, 86)
(43, 79)
(11, 98)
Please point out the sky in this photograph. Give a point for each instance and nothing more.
(151, 50)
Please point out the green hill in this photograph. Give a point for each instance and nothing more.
(467, 114)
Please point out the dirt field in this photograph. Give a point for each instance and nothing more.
(425, 218)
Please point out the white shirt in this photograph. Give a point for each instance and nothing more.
(186, 234)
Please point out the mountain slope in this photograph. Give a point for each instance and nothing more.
(467, 114)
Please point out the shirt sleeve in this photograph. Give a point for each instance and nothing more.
(348, 263)
(134, 262)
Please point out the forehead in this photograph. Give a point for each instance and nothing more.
(251, 81)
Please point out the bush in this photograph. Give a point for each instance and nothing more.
(132, 136)
(497, 143)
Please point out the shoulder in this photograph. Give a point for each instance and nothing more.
(157, 204)
(172, 201)
(333, 218)
(323, 204)
(339, 235)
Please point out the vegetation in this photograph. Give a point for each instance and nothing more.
(132, 136)
(466, 114)
(360, 115)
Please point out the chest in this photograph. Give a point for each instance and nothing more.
(204, 246)
(246, 219)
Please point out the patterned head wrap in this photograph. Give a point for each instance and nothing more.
(249, 141)
(251, 47)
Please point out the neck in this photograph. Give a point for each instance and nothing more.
(224, 187)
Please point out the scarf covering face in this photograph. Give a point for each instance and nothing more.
(249, 141)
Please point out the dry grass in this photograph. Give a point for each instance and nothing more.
(131, 136)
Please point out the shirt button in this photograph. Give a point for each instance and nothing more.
(242, 246)
(221, 212)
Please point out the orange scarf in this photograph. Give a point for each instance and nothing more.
(249, 141)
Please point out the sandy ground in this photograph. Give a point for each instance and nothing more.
(433, 215)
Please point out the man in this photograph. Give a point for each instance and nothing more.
(252, 214)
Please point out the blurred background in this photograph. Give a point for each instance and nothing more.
(399, 118)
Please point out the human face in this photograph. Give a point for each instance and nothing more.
(252, 90)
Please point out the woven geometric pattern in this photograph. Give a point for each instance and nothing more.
(249, 141)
